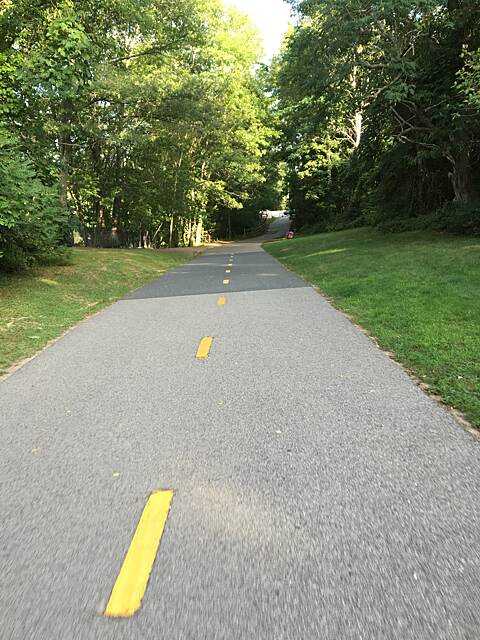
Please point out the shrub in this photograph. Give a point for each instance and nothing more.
(31, 218)
(452, 217)
(457, 218)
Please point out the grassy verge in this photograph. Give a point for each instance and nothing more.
(418, 294)
(39, 305)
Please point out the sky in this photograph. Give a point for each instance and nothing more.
(271, 17)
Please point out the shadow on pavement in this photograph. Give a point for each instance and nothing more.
(251, 271)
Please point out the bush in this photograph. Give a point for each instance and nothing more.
(452, 217)
(31, 218)
(457, 218)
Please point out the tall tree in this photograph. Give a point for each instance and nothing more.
(367, 77)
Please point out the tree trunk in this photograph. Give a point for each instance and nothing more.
(358, 128)
(170, 235)
(199, 232)
(65, 151)
(357, 118)
(190, 232)
(156, 234)
(462, 178)
(63, 186)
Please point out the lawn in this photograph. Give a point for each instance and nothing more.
(39, 305)
(418, 294)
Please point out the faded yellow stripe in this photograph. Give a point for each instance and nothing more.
(228, 271)
(204, 347)
(226, 282)
(132, 580)
(221, 301)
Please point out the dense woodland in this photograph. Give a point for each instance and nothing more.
(129, 123)
(380, 104)
(149, 123)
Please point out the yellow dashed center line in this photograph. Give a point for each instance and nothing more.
(204, 348)
(221, 301)
(226, 282)
(228, 271)
(132, 580)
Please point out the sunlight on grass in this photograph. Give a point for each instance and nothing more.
(325, 252)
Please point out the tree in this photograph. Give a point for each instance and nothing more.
(147, 115)
(31, 218)
(370, 74)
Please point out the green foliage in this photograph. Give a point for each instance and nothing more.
(31, 219)
(452, 217)
(380, 109)
(146, 114)
(469, 79)
(458, 218)
(7, 95)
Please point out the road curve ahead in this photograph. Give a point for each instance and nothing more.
(222, 455)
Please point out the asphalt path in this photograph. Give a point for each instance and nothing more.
(318, 492)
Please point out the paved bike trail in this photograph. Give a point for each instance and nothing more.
(318, 492)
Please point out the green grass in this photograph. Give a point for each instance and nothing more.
(39, 305)
(418, 294)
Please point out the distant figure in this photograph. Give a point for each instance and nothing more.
(290, 235)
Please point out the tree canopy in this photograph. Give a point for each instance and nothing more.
(380, 109)
(145, 117)
(151, 122)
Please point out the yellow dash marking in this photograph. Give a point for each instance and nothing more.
(228, 271)
(226, 282)
(204, 348)
(221, 301)
(132, 580)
